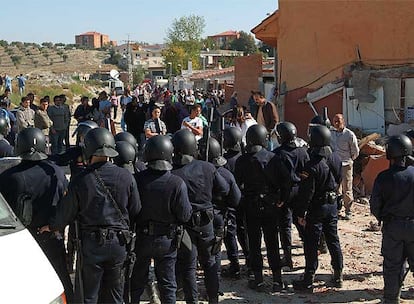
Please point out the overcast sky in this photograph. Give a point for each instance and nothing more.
(59, 21)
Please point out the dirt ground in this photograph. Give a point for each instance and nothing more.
(363, 282)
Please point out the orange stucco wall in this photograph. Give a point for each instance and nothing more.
(318, 37)
(247, 71)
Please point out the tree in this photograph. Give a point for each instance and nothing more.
(138, 75)
(244, 43)
(184, 41)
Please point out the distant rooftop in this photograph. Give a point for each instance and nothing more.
(91, 33)
(227, 33)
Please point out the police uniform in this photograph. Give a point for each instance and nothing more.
(396, 210)
(6, 150)
(223, 206)
(295, 159)
(262, 189)
(236, 220)
(40, 184)
(165, 205)
(202, 180)
(317, 203)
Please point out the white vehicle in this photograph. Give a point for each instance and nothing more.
(26, 274)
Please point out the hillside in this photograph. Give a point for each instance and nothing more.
(32, 60)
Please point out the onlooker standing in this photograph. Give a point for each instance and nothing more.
(42, 121)
(193, 122)
(57, 114)
(155, 126)
(266, 115)
(252, 104)
(125, 99)
(8, 82)
(345, 144)
(233, 100)
(243, 121)
(21, 82)
(83, 111)
(135, 120)
(114, 102)
(67, 118)
(31, 97)
(24, 115)
(6, 97)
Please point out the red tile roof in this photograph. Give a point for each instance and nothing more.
(91, 33)
(227, 33)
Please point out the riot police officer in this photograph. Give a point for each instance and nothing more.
(128, 137)
(223, 205)
(232, 144)
(33, 189)
(294, 157)
(316, 207)
(105, 201)
(126, 155)
(396, 210)
(6, 150)
(165, 205)
(202, 180)
(73, 156)
(265, 189)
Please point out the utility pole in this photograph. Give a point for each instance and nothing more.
(129, 61)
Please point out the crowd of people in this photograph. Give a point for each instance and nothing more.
(139, 195)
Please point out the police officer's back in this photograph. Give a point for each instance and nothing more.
(318, 202)
(223, 206)
(392, 202)
(202, 180)
(33, 189)
(261, 177)
(165, 206)
(129, 138)
(232, 146)
(294, 157)
(6, 150)
(105, 201)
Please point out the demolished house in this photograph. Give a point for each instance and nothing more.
(354, 57)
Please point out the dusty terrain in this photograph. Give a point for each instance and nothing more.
(363, 281)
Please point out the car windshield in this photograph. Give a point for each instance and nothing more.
(8, 220)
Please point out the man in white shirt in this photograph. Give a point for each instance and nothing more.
(193, 122)
(345, 145)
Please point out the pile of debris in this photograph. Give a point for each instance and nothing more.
(370, 162)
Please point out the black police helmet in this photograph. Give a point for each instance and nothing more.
(83, 128)
(128, 137)
(256, 136)
(126, 153)
(158, 152)
(4, 126)
(398, 146)
(286, 132)
(214, 153)
(184, 143)
(232, 139)
(320, 136)
(31, 144)
(99, 142)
